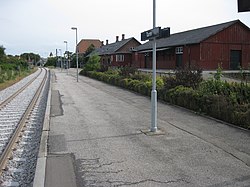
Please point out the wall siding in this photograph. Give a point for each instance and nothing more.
(216, 49)
(207, 54)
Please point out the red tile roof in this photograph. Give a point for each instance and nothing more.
(85, 43)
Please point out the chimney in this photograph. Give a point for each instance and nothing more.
(107, 42)
(102, 43)
(123, 36)
(117, 38)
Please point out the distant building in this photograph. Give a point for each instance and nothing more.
(119, 53)
(227, 44)
(84, 44)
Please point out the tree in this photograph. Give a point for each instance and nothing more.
(93, 63)
(30, 57)
(2, 53)
(89, 50)
(73, 60)
(51, 61)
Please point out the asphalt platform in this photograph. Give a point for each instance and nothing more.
(97, 135)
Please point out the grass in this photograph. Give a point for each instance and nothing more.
(9, 83)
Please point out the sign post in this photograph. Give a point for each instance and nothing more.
(147, 35)
(243, 5)
(154, 92)
(154, 34)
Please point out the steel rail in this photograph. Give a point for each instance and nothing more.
(10, 98)
(17, 134)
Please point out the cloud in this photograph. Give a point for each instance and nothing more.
(43, 25)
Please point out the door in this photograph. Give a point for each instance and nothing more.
(147, 60)
(235, 59)
(179, 60)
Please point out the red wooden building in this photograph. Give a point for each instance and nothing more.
(227, 44)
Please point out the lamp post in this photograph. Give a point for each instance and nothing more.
(74, 28)
(67, 63)
(60, 57)
(154, 92)
(152, 35)
(56, 59)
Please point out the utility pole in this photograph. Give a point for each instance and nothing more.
(152, 35)
(75, 28)
(154, 92)
(66, 59)
(60, 57)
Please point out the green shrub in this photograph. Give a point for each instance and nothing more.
(229, 102)
(141, 76)
(188, 77)
(127, 71)
(124, 82)
(234, 92)
(93, 63)
(184, 96)
(143, 88)
(114, 79)
(159, 83)
(218, 74)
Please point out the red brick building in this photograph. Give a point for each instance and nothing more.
(118, 53)
(227, 44)
(84, 44)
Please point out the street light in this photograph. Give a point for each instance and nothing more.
(60, 57)
(74, 28)
(67, 56)
(154, 92)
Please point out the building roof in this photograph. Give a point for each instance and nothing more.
(188, 37)
(84, 44)
(113, 47)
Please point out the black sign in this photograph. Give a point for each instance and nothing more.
(153, 33)
(243, 5)
(164, 33)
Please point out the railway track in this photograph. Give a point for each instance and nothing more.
(21, 117)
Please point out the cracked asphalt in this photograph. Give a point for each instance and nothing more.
(102, 127)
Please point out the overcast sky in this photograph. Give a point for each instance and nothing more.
(41, 26)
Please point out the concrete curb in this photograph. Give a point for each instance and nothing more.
(39, 179)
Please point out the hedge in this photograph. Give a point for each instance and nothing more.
(224, 101)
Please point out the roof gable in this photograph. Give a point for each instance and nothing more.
(113, 47)
(188, 37)
(84, 44)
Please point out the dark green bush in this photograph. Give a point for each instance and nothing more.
(188, 77)
(141, 76)
(126, 71)
(234, 92)
(185, 97)
(93, 63)
(221, 100)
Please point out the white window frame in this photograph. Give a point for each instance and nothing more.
(120, 58)
(179, 50)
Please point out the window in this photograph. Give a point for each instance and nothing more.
(119, 58)
(179, 50)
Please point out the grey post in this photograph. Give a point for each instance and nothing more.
(60, 58)
(67, 61)
(74, 28)
(154, 92)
